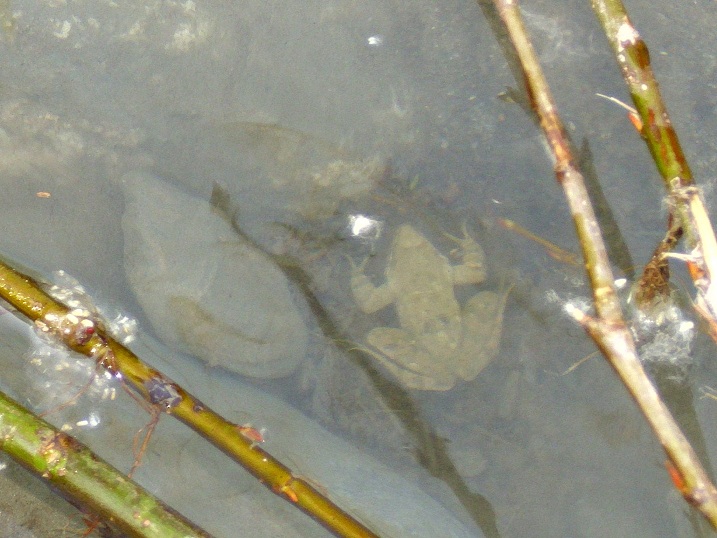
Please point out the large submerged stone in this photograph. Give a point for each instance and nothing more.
(205, 290)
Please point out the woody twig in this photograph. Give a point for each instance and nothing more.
(607, 327)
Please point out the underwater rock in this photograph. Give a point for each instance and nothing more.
(301, 174)
(205, 290)
(347, 397)
(395, 500)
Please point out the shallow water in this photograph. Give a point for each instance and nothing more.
(308, 113)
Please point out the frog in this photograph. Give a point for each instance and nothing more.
(438, 342)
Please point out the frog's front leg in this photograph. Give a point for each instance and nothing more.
(472, 270)
(369, 298)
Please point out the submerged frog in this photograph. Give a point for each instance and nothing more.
(438, 343)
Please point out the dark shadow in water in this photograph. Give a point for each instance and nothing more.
(501, 35)
(430, 449)
(614, 241)
(674, 383)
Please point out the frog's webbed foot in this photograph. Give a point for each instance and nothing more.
(356, 268)
(369, 298)
(359, 280)
(472, 270)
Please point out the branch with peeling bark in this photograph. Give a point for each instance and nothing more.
(82, 333)
(608, 328)
(88, 481)
(687, 209)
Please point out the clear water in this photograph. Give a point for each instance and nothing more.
(253, 96)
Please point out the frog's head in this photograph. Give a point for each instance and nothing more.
(408, 237)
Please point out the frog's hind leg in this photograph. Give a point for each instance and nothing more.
(483, 328)
(414, 367)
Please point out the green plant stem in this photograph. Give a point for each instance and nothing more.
(608, 328)
(634, 61)
(688, 207)
(27, 296)
(87, 480)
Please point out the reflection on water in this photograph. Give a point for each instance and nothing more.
(307, 115)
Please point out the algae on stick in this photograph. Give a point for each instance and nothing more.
(205, 290)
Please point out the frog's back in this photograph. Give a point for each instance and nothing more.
(419, 275)
(414, 261)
